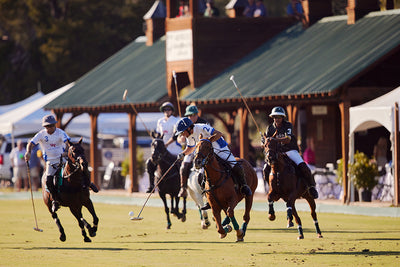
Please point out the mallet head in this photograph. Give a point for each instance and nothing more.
(231, 78)
(136, 218)
(174, 74)
(37, 229)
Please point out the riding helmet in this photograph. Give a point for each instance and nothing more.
(48, 120)
(190, 110)
(278, 111)
(167, 104)
(182, 125)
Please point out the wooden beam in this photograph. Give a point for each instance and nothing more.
(132, 153)
(94, 154)
(396, 200)
(344, 107)
(244, 133)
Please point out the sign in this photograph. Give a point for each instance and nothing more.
(179, 45)
(319, 110)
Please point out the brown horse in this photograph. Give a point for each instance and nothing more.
(71, 193)
(221, 191)
(285, 183)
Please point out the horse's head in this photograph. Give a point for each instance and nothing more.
(271, 150)
(158, 149)
(76, 155)
(203, 153)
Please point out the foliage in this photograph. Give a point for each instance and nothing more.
(140, 164)
(56, 42)
(339, 172)
(363, 171)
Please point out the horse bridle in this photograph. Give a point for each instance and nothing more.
(205, 158)
(161, 155)
(76, 164)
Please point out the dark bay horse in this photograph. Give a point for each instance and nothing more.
(71, 193)
(285, 183)
(221, 191)
(171, 183)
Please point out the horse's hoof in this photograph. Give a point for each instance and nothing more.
(300, 237)
(87, 239)
(221, 236)
(240, 235)
(228, 229)
(319, 236)
(169, 226)
(184, 218)
(290, 224)
(92, 232)
(271, 217)
(63, 237)
(204, 225)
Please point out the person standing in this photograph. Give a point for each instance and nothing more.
(283, 132)
(19, 166)
(165, 127)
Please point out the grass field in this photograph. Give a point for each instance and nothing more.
(348, 240)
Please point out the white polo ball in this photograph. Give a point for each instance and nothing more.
(131, 213)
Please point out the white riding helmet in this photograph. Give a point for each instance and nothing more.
(167, 104)
(278, 111)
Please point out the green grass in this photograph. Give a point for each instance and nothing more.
(348, 240)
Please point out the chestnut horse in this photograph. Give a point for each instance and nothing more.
(222, 194)
(71, 192)
(285, 183)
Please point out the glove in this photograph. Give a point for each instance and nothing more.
(180, 156)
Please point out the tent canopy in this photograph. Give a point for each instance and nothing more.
(375, 113)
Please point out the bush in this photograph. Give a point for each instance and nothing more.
(363, 171)
(139, 163)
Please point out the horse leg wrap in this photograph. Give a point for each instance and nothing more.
(244, 227)
(226, 221)
(271, 208)
(300, 229)
(234, 223)
(289, 213)
(317, 227)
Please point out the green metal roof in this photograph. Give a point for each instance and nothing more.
(138, 68)
(319, 59)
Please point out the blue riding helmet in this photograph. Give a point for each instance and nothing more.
(182, 125)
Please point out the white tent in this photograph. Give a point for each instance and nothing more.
(6, 108)
(375, 113)
(26, 118)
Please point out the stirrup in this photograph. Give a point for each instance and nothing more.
(206, 206)
(55, 205)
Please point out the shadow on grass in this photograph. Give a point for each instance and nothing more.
(341, 253)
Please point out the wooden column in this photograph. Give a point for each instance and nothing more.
(94, 153)
(244, 133)
(132, 153)
(396, 200)
(291, 114)
(345, 128)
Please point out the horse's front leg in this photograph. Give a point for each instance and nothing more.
(205, 223)
(166, 209)
(311, 203)
(289, 212)
(271, 211)
(62, 237)
(217, 217)
(77, 212)
(92, 230)
(298, 221)
(239, 232)
(183, 219)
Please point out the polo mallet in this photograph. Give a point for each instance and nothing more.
(137, 218)
(177, 93)
(126, 98)
(245, 103)
(33, 203)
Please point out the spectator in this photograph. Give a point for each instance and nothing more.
(249, 9)
(308, 154)
(19, 166)
(35, 167)
(260, 10)
(380, 152)
(183, 9)
(295, 9)
(211, 10)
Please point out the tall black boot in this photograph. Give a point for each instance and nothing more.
(184, 173)
(238, 173)
(86, 181)
(151, 168)
(309, 179)
(53, 191)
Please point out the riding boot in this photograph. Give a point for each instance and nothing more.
(151, 168)
(309, 179)
(238, 173)
(87, 183)
(184, 172)
(55, 205)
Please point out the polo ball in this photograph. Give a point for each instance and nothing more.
(131, 213)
